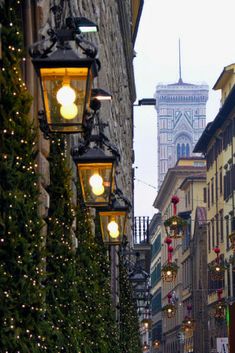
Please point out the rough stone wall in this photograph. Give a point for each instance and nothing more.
(116, 76)
(116, 70)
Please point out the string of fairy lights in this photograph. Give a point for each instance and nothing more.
(55, 297)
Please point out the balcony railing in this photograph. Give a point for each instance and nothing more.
(141, 230)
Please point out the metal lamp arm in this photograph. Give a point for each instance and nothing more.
(43, 52)
(92, 53)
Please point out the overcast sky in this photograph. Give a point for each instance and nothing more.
(206, 29)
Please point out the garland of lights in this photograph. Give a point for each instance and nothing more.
(61, 283)
(22, 307)
(129, 326)
(96, 315)
(52, 297)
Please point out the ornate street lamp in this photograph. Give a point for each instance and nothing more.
(156, 344)
(220, 306)
(216, 268)
(146, 323)
(169, 270)
(145, 347)
(113, 223)
(169, 310)
(175, 226)
(96, 173)
(65, 78)
(66, 82)
(188, 324)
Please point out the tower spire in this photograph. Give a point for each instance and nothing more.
(180, 78)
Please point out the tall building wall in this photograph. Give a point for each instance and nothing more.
(181, 119)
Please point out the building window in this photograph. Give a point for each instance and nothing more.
(213, 233)
(189, 197)
(216, 186)
(212, 191)
(221, 221)
(220, 181)
(204, 195)
(228, 282)
(208, 195)
(178, 151)
(156, 303)
(187, 150)
(156, 246)
(209, 237)
(216, 229)
(227, 231)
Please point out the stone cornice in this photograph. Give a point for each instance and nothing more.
(127, 45)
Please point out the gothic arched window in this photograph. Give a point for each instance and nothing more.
(183, 150)
(187, 150)
(178, 151)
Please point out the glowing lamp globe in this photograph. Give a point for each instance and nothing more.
(96, 173)
(66, 82)
(146, 323)
(113, 223)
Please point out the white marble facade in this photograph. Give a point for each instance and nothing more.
(181, 119)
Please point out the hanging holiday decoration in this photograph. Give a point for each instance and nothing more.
(217, 268)
(146, 323)
(145, 347)
(156, 344)
(175, 226)
(232, 261)
(169, 310)
(220, 306)
(232, 239)
(188, 324)
(169, 269)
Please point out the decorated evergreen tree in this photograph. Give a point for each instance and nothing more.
(129, 324)
(22, 297)
(61, 285)
(97, 317)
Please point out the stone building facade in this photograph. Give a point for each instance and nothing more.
(218, 144)
(184, 180)
(181, 119)
(118, 24)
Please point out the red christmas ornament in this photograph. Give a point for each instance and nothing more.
(174, 200)
(168, 240)
(217, 250)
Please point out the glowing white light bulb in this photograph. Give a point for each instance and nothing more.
(69, 111)
(112, 227)
(115, 234)
(95, 180)
(168, 273)
(98, 190)
(66, 95)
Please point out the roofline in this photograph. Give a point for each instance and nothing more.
(137, 22)
(228, 70)
(193, 178)
(169, 181)
(209, 132)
